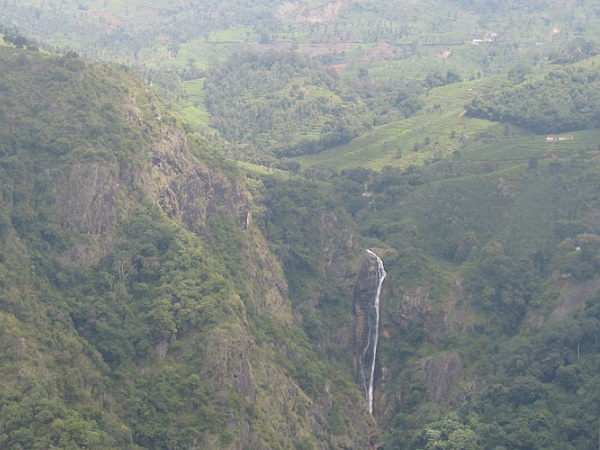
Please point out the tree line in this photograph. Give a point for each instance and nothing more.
(565, 100)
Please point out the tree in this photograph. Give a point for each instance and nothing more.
(518, 73)
(450, 433)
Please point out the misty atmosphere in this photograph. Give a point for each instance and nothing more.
(300, 224)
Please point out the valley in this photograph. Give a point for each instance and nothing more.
(189, 190)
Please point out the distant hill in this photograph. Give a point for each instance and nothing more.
(386, 36)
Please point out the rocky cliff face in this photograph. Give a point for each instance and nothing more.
(411, 316)
(365, 321)
(186, 189)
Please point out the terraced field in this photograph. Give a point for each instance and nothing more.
(436, 132)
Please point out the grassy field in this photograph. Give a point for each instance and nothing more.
(191, 109)
(435, 132)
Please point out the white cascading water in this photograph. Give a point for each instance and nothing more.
(370, 350)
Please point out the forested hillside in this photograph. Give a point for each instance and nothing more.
(492, 286)
(141, 306)
(384, 39)
(566, 100)
(182, 255)
(282, 104)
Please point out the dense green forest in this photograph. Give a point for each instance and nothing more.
(565, 100)
(508, 261)
(182, 254)
(138, 311)
(282, 105)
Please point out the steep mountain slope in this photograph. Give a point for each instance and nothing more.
(153, 297)
(141, 307)
(489, 307)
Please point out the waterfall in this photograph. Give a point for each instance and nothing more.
(368, 355)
